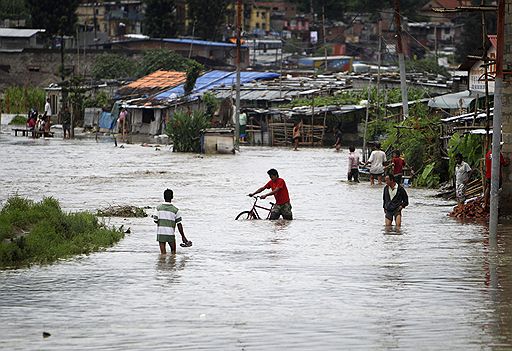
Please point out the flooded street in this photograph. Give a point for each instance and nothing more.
(331, 279)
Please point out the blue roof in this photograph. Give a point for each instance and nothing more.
(214, 79)
(200, 42)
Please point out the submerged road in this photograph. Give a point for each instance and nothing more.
(331, 279)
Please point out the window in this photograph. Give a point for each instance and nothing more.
(148, 115)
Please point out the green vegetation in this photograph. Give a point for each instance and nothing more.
(162, 59)
(211, 104)
(184, 130)
(426, 65)
(208, 17)
(21, 99)
(18, 120)
(160, 19)
(193, 71)
(13, 9)
(470, 146)
(418, 139)
(100, 99)
(39, 232)
(113, 66)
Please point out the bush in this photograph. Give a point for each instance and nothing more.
(18, 120)
(113, 66)
(185, 130)
(40, 232)
(161, 59)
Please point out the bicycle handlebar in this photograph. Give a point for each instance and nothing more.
(256, 198)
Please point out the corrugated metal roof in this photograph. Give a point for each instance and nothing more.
(215, 79)
(19, 33)
(461, 99)
(199, 42)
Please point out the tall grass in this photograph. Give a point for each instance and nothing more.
(20, 99)
(40, 232)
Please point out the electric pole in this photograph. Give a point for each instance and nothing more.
(401, 60)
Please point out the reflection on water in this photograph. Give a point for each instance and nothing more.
(333, 278)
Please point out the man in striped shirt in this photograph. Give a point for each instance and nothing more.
(168, 217)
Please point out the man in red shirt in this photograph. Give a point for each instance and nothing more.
(280, 192)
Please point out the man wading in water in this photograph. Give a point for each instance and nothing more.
(280, 191)
(168, 217)
(395, 199)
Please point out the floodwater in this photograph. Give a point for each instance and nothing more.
(331, 279)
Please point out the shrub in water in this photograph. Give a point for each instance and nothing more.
(40, 232)
(185, 130)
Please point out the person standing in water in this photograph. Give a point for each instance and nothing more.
(168, 218)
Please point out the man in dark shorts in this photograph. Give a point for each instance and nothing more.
(66, 122)
(280, 191)
(395, 199)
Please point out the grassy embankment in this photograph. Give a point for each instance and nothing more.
(40, 232)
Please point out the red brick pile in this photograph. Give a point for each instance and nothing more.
(474, 209)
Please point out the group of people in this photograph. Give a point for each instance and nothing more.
(42, 122)
(169, 216)
(394, 199)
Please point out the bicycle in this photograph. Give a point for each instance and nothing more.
(253, 213)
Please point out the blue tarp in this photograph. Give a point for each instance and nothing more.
(106, 120)
(214, 79)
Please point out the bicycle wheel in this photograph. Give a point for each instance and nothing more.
(245, 215)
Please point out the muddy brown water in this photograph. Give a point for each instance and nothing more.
(331, 279)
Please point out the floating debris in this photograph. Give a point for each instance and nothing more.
(122, 211)
(46, 334)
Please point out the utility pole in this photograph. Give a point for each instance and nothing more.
(379, 59)
(238, 59)
(401, 60)
(496, 125)
(502, 121)
(323, 34)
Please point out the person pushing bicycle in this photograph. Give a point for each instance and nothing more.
(280, 192)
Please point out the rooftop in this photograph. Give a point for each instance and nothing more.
(19, 33)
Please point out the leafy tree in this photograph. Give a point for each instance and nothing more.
(160, 18)
(211, 104)
(193, 71)
(426, 65)
(57, 20)
(112, 66)
(154, 60)
(13, 9)
(336, 9)
(208, 17)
